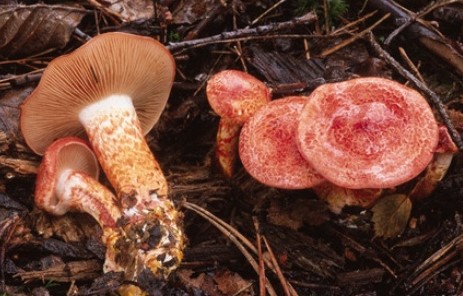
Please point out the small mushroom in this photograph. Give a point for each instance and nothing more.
(67, 182)
(113, 90)
(268, 147)
(235, 96)
(367, 133)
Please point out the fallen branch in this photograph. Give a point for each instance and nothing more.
(432, 96)
(241, 33)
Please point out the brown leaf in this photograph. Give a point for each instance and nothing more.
(28, 30)
(391, 214)
(230, 283)
(202, 282)
(9, 110)
(129, 10)
(297, 212)
(191, 11)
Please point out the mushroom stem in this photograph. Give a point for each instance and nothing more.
(227, 146)
(117, 139)
(118, 142)
(81, 193)
(67, 181)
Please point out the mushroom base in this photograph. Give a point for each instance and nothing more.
(151, 240)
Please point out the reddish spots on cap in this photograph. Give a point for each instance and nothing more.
(268, 148)
(236, 95)
(367, 133)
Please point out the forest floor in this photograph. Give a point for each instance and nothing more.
(241, 233)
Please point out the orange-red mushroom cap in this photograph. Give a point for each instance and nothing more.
(268, 147)
(236, 95)
(108, 64)
(367, 133)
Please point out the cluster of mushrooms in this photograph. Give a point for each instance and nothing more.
(351, 138)
(93, 108)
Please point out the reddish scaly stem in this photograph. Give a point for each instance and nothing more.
(119, 144)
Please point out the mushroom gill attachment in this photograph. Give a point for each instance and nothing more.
(235, 96)
(367, 133)
(268, 147)
(112, 91)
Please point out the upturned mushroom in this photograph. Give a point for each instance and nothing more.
(67, 181)
(235, 96)
(367, 133)
(113, 90)
(268, 147)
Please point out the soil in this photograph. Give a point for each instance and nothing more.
(293, 47)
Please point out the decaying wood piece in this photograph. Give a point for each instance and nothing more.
(448, 255)
(286, 73)
(449, 51)
(65, 272)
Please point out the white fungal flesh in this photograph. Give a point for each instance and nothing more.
(105, 105)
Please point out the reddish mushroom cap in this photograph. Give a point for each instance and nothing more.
(268, 148)
(367, 133)
(108, 64)
(64, 154)
(236, 95)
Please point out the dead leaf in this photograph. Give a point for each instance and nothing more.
(28, 30)
(9, 110)
(295, 213)
(128, 11)
(191, 11)
(391, 214)
(202, 282)
(230, 283)
(219, 283)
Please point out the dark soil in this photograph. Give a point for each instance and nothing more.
(319, 252)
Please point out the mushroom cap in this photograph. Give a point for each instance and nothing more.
(108, 64)
(236, 95)
(268, 147)
(68, 153)
(367, 133)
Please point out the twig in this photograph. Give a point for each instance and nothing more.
(240, 33)
(260, 256)
(225, 229)
(272, 8)
(410, 64)
(433, 97)
(353, 38)
(415, 17)
(351, 24)
(284, 283)
(209, 17)
(7, 228)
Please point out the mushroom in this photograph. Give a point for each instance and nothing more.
(67, 181)
(438, 167)
(235, 96)
(367, 133)
(268, 147)
(113, 90)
